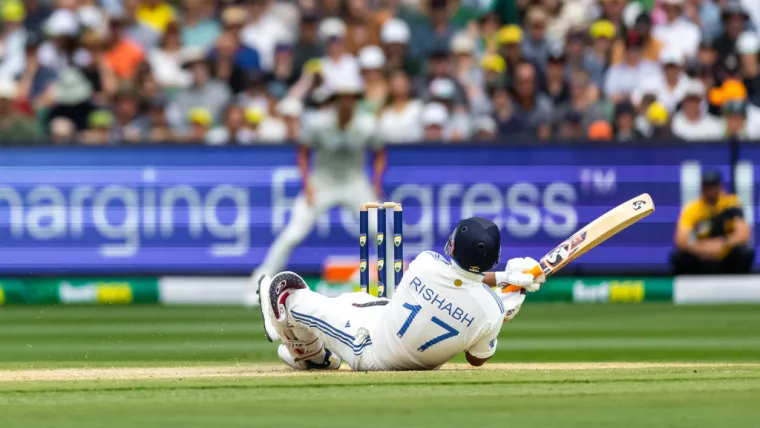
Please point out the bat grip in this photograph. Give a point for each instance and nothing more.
(535, 271)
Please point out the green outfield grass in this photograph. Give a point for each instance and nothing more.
(672, 397)
(232, 380)
(149, 335)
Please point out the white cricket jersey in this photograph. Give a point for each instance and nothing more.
(340, 154)
(437, 312)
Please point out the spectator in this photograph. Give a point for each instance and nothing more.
(706, 53)
(510, 39)
(657, 122)
(62, 131)
(272, 128)
(37, 12)
(204, 92)
(361, 30)
(262, 31)
(284, 74)
(488, 29)
(224, 61)
(233, 130)
(503, 110)
(571, 127)
(15, 126)
(737, 127)
(712, 235)
(576, 56)
(199, 28)
(35, 81)
(98, 131)
(531, 107)
(13, 37)
(692, 123)
(122, 55)
(135, 30)
(394, 36)
(337, 63)
(199, 122)
(706, 14)
(612, 11)
(600, 131)
(400, 118)
(434, 118)
(156, 14)
(433, 33)
(439, 67)
(61, 30)
(127, 124)
(624, 122)
(597, 57)
(652, 47)
(556, 85)
(255, 93)
(494, 68)
(307, 47)
(372, 63)
(583, 99)
(157, 128)
(290, 109)
(467, 70)
(678, 34)
(72, 98)
(536, 46)
(228, 46)
(748, 47)
(255, 120)
(485, 129)
(668, 87)
(96, 69)
(563, 16)
(623, 78)
(165, 61)
(459, 125)
(734, 19)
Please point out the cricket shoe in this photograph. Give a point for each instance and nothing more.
(272, 295)
(270, 332)
(331, 361)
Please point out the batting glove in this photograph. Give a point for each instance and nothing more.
(522, 272)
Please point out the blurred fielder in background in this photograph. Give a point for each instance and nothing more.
(442, 307)
(712, 236)
(339, 137)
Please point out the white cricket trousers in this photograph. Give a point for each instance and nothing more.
(341, 323)
(327, 193)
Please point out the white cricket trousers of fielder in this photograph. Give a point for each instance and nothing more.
(342, 326)
(326, 193)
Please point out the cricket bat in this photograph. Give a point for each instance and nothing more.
(596, 232)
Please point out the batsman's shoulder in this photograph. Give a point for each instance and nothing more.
(428, 258)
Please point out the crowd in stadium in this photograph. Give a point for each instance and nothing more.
(249, 72)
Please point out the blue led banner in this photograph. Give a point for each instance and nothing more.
(217, 210)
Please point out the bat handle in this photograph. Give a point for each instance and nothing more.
(535, 271)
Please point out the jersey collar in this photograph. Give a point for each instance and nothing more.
(462, 273)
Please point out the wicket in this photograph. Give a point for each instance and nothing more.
(398, 245)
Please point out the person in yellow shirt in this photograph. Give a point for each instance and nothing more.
(712, 235)
(156, 14)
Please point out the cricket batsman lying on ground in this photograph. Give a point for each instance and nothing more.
(441, 308)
